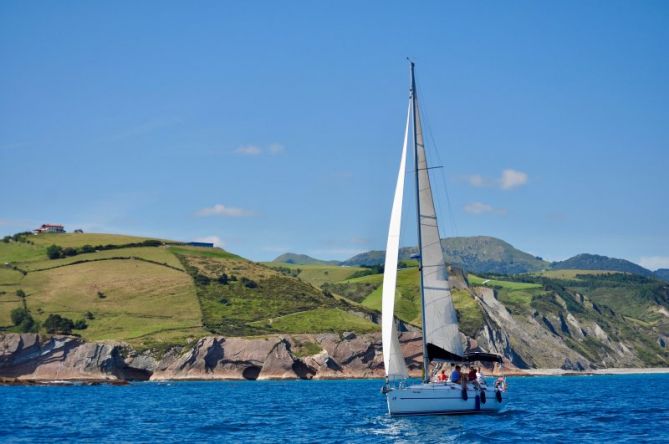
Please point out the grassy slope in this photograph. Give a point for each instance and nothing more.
(150, 298)
(154, 254)
(318, 274)
(143, 301)
(236, 309)
(319, 319)
(407, 300)
(80, 239)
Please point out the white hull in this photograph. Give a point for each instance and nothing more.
(441, 399)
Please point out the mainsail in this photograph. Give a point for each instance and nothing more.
(393, 359)
(440, 323)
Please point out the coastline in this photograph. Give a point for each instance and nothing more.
(511, 373)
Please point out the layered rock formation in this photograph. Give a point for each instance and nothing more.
(29, 357)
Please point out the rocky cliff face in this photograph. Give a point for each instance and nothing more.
(559, 339)
(28, 357)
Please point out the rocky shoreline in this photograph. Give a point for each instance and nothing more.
(32, 359)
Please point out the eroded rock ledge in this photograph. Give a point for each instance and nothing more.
(30, 357)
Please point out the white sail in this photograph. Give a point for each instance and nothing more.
(440, 327)
(393, 359)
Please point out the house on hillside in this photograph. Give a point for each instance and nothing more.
(49, 228)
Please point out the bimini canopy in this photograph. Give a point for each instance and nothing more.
(482, 357)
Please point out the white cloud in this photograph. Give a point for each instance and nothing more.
(508, 180)
(276, 148)
(249, 150)
(511, 179)
(478, 181)
(483, 208)
(213, 239)
(222, 210)
(654, 262)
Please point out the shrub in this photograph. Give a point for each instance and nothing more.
(101, 295)
(223, 279)
(151, 243)
(201, 279)
(69, 251)
(54, 252)
(87, 249)
(20, 293)
(248, 283)
(88, 315)
(55, 323)
(80, 325)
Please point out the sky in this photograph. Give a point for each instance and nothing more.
(269, 127)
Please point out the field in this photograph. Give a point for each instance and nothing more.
(317, 274)
(159, 255)
(130, 300)
(319, 320)
(509, 285)
(80, 239)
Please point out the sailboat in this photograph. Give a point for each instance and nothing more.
(441, 337)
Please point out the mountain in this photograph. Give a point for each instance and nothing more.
(662, 273)
(596, 262)
(478, 254)
(302, 259)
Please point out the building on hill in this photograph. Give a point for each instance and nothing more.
(201, 244)
(49, 228)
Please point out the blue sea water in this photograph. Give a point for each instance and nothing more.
(630, 408)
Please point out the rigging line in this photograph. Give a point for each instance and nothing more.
(451, 214)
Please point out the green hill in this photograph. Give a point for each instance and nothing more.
(147, 291)
(478, 254)
(662, 273)
(597, 262)
(302, 259)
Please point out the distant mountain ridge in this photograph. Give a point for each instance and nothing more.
(486, 254)
(302, 259)
(479, 254)
(596, 262)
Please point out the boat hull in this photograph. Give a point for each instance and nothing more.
(441, 399)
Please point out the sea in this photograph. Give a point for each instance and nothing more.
(578, 409)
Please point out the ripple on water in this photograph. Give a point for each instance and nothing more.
(542, 409)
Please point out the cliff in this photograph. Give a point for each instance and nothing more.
(29, 357)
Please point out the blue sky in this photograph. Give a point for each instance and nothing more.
(277, 126)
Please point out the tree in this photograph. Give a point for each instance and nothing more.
(18, 315)
(20, 293)
(69, 251)
(23, 320)
(80, 325)
(54, 252)
(55, 323)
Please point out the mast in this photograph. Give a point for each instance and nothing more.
(414, 105)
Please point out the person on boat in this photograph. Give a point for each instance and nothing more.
(455, 375)
(479, 376)
(471, 377)
(441, 377)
